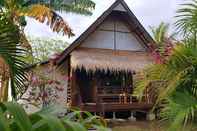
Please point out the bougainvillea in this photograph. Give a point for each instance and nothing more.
(44, 92)
(161, 54)
(43, 87)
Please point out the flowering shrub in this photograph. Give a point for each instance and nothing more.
(43, 87)
(161, 53)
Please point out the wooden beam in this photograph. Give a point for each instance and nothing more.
(118, 31)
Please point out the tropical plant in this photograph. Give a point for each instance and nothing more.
(43, 10)
(14, 118)
(43, 91)
(163, 42)
(176, 79)
(161, 34)
(176, 85)
(11, 65)
(77, 6)
(14, 12)
(187, 16)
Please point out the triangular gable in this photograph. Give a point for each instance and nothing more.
(118, 5)
(115, 33)
(120, 8)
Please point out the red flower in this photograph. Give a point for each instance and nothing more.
(50, 82)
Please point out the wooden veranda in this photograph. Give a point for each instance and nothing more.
(100, 92)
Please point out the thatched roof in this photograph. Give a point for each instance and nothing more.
(129, 17)
(103, 59)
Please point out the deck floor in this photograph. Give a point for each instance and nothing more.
(115, 107)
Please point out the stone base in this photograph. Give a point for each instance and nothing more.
(150, 116)
(132, 118)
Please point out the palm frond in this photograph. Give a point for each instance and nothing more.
(77, 6)
(180, 110)
(187, 16)
(160, 33)
(11, 53)
(43, 13)
(176, 83)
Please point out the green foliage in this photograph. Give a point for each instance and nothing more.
(12, 22)
(160, 33)
(187, 16)
(14, 118)
(77, 6)
(44, 48)
(180, 111)
(11, 52)
(176, 85)
(175, 81)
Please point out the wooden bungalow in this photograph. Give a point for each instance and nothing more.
(105, 60)
(103, 63)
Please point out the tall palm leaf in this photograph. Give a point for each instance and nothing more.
(43, 10)
(10, 59)
(180, 111)
(164, 42)
(160, 33)
(187, 17)
(77, 6)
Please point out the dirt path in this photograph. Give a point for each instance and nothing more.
(134, 126)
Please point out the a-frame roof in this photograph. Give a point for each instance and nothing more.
(145, 36)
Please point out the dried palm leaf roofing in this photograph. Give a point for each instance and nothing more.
(104, 59)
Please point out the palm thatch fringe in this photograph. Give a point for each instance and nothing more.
(103, 59)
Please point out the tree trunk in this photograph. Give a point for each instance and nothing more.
(4, 90)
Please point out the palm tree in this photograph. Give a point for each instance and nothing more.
(44, 10)
(11, 65)
(14, 12)
(161, 34)
(186, 18)
(176, 85)
(164, 42)
(176, 79)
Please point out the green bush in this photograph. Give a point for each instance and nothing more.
(14, 118)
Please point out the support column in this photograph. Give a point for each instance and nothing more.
(132, 117)
(114, 115)
(75, 92)
(150, 116)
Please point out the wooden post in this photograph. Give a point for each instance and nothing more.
(73, 88)
(114, 115)
(75, 91)
(95, 86)
(69, 89)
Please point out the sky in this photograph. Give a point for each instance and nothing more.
(149, 13)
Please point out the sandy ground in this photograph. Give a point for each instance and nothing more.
(134, 126)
